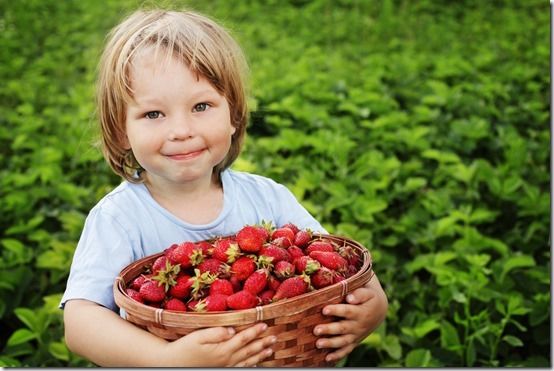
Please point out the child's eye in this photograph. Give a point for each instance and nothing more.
(200, 107)
(152, 115)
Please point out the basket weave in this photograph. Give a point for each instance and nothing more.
(291, 320)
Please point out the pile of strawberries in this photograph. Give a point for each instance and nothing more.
(257, 266)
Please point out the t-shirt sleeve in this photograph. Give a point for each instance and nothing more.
(105, 247)
(291, 211)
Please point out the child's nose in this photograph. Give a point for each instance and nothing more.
(180, 129)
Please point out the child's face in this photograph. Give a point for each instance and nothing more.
(178, 126)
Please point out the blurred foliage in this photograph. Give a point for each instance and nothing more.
(419, 128)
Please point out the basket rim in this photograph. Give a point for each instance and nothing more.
(293, 305)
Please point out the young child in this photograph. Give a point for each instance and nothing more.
(173, 113)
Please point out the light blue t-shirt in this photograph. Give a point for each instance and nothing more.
(128, 224)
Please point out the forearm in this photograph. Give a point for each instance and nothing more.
(106, 339)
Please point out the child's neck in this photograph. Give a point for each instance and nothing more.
(195, 203)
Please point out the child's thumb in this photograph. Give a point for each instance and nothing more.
(214, 334)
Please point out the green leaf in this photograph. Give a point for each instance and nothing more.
(449, 337)
(418, 358)
(28, 317)
(392, 346)
(514, 262)
(513, 341)
(21, 336)
(59, 350)
(471, 354)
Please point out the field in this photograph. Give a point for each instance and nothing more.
(419, 128)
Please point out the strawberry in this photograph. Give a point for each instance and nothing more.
(266, 296)
(137, 282)
(206, 247)
(243, 267)
(292, 227)
(319, 246)
(284, 269)
(243, 299)
(291, 287)
(295, 252)
(322, 278)
(215, 267)
(216, 302)
(169, 249)
(187, 254)
(221, 286)
(159, 264)
(347, 252)
(135, 295)
(306, 265)
(191, 305)
(250, 239)
(226, 250)
(200, 282)
(256, 282)
(331, 260)
(275, 252)
(285, 236)
(182, 287)
(272, 282)
(166, 274)
(302, 238)
(175, 304)
(152, 291)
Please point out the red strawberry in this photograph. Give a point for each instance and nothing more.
(226, 250)
(159, 264)
(170, 248)
(284, 235)
(152, 291)
(319, 246)
(182, 287)
(275, 252)
(306, 265)
(187, 254)
(206, 247)
(284, 269)
(323, 277)
(295, 252)
(216, 302)
(221, 286)
(291, 287)
(250, 238)
(215, 267)
(243, 267)
(242, 300)
(191, 305)
(292, 227)
(273, 283)
(176, 305)
(237, 284)
(302, 238)
(200, 282)
(137, 282)
(256, 282)
(347, 252)
(135, 295)
(266, 296)
(167, 273)
(331, 260)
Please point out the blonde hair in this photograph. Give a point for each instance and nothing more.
(203, 45)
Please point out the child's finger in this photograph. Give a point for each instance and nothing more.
(360, 295)
(336, 341)
(335, 328)
(340, 310)
(255, 352)
(246, 336)
(213, 334)
(340, 353)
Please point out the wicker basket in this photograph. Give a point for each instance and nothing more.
(291, 320)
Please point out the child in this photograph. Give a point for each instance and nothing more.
(173, 113)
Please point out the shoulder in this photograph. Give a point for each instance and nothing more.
(253, 182)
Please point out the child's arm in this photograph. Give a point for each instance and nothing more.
(106, 339)
(366, 309)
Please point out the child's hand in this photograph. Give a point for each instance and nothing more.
(221, 347)
(366, 309)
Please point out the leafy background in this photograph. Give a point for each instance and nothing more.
(419, 128)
